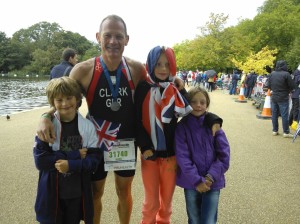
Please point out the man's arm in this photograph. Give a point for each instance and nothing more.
(45, 130)
(213, 121)
(82, 72)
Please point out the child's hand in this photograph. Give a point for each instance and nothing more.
(208, 182)
(62, 166)
(83, 152)
(179, 83)
(148, 153)
(202, 187)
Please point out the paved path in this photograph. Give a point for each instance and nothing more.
(263, 184)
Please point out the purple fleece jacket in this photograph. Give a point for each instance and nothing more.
(199, 153)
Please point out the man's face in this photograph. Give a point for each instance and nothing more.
(73, 60)
(112, 39)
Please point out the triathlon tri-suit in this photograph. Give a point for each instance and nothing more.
(99, 100)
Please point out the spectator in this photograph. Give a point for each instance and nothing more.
(185, 78)
(295, 100)
(234, 81)
(281, 85)
(69, 57)
(250, 83)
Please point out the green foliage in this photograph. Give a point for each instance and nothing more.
(92, 52)
(37, 49)
(293, 56)
(276, 25)
(4, 52)
(257, 62)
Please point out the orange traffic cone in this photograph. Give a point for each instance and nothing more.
(241, 98)
(266, 112)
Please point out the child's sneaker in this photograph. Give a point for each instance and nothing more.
(275, 133)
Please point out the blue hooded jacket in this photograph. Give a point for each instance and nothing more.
(46, 205)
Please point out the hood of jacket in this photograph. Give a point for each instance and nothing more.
(281, 66)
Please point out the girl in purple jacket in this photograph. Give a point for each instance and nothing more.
(202, 160)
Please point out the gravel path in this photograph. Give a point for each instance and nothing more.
(262, 182)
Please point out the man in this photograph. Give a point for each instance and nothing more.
(234, 80)
(281, 85)
(250, 83)
(112, 37)
(69, 57)
(109, 82)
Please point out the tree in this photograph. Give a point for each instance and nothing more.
(205, 50)
(92, 52)
(215, 25)
(278, 25)
(257, 62)
(4, 52)
(293, 56)
(38, 48)
(40, 64)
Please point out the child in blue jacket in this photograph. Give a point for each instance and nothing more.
(64, 192)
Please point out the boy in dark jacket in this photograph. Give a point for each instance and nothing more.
(64, 192)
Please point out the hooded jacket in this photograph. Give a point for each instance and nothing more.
(281, 82)
(251, 80)
(45, 156)
(235, 77)
(199, 153)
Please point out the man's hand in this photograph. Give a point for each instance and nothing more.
(45, 130)
(215, 128)
(62, 166)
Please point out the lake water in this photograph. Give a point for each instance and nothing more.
(17, 95)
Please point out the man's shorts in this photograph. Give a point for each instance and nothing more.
(101, 174)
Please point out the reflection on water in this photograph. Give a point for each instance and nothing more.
(21, 94)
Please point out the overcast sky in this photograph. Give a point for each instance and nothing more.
(149, 23)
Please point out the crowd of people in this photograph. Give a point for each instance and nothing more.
(283, 85)
(137, 107)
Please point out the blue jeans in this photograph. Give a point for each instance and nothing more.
(202, 208)
(283, 108)
(233, 89)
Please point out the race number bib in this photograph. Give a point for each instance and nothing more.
(121, 156)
